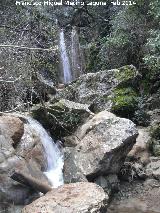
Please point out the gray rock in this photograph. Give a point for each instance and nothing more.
(71, 198)
(61, 118)
(153, 168)
(31, 148)
(105, 140)
(109, 183)
(154, 116)
(24, 154)
(11, 126)
(140, 150)
(96, 89)
(136, 197)
(6, 149)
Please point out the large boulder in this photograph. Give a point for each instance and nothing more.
(21, 149)
(30, 147)
(140, 150)
(112, 90)
(6, 150)
(11, 191)
(12, 126)
(71, 198)
(61, 118)
(104, 142)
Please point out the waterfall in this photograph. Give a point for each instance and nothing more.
(65, 60)
(53, 154)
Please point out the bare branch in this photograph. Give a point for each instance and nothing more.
(10, 81)
(28, 48)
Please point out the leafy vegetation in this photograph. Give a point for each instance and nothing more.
(155, 139)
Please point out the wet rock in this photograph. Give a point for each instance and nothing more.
(26, 155)
(63, 117)
(71, 198)
(105, 140)
(30, 147)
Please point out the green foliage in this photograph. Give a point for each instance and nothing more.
(141, 117)
(155, 131)
(152, 47)
(155, 140)
(131, 40)
(125, 102)
(93, 64)
(124, 45)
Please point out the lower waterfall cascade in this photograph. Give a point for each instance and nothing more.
(53, 153)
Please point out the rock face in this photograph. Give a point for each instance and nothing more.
(71, 198)
(20, 150)
(105, 140)
(12, 126)
(140, 151)
(63, 117)
(137, 197)
(153, 168)
(105, 90)
(30, 147)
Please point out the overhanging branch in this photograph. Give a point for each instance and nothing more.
(28, 48)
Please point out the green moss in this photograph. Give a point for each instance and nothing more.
(125, 101)
(155, 140)
(61, 118)
(125, 73)
(155, 132)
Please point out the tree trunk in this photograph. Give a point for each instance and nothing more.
(31, 182)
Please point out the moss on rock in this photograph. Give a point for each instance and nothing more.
(124, 102)
(155, 139)
(61, 118)
(126, 72)
(112, 90)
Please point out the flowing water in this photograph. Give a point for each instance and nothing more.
(67, 76)
(53, 154)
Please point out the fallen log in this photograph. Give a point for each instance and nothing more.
(31, 182)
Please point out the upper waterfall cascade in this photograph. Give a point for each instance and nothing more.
(53, 154)
(65, 59)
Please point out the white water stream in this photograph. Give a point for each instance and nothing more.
(53, 154)
(65, 60)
